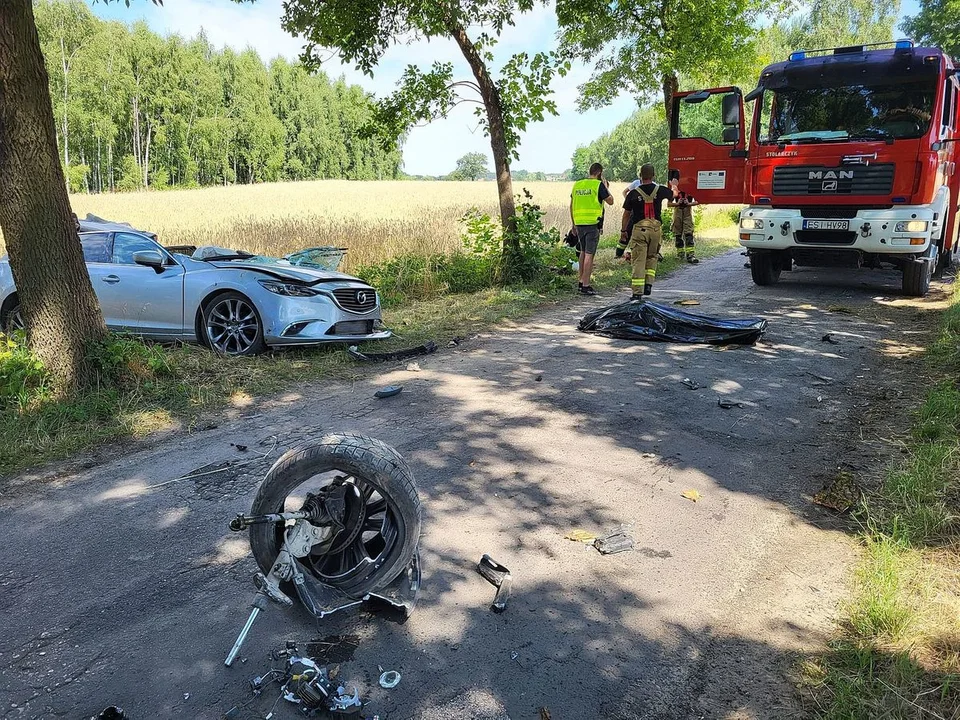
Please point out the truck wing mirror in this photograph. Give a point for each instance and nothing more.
(731, 109)
(753, 94)
(697, 97)
(731, 133)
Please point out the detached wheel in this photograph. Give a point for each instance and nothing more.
(232, 326)
(13, 322)
(382, 518)
(764, 268)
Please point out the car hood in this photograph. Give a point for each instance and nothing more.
(284, 271)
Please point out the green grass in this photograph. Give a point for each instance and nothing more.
(897, 653)
(148, 388)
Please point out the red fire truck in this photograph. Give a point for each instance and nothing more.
(851, 160)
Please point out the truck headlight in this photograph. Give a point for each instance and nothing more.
(751, 224)
(912, 226)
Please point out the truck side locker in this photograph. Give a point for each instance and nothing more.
(708, 145)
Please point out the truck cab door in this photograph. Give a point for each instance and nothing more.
(707, 145)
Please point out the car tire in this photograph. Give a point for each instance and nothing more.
(232, 326)
(380, 472)
(13, 320)
(764, 268)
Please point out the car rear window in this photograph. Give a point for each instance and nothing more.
(97, 247)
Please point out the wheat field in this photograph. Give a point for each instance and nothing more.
(374, 220)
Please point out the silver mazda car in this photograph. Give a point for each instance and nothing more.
(233, 302)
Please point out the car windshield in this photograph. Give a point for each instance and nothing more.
(849, 112)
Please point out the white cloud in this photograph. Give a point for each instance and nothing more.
(430, 150)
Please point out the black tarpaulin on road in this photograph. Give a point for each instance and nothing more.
(645, 320)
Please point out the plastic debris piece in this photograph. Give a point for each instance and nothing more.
(645, 320)
(388, 391)
(687, 302)
(727, 404)
(425, 349)
(583, 536)
(112, 713)
(538, 378)
(692, 384)
(828, 338)
(692, 495)
(232, 714)
(614, 543)
(413, 367)
(240, 448)
(499, 576)
(389, 679)
(186, 696)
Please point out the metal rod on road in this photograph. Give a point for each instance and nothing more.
(235, 650)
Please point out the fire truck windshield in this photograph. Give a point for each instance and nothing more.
(849, 112)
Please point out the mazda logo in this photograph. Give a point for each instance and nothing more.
(361, 297)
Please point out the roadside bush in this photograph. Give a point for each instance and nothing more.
(22, 377)
(122, 361)
(537, 259)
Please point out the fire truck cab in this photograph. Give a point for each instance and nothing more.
(851, 160)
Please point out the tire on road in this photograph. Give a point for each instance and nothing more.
(764, 267)
(916, 277)
(366, 459)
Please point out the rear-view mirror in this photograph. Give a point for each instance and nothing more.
(731, 134)
(149, 258)
(731, 109)
(697, 97)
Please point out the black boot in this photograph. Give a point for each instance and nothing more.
(648, 288)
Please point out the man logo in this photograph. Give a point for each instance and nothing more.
(361, 297)
(830, 175)
(829, 186)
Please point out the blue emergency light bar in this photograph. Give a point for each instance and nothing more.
(898, 46)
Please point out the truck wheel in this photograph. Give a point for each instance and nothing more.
(916, 277)
(765, 268)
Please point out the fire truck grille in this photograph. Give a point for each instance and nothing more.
(825, 181)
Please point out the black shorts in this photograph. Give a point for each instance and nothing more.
(589, 236)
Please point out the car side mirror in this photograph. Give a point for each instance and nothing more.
(731, 134)
(149, 258)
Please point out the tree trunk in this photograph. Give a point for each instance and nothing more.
(146, 157)
(670, 87)
(66, 127)
(61, 312)
(137, 156)
(498, 138)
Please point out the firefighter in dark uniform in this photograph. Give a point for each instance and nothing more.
(642, 230)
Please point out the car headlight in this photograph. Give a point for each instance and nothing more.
(288, 289)
(912, 226)
(751, 224)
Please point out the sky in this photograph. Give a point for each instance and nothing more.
(434, 148)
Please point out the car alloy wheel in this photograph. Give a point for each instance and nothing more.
(233, 327)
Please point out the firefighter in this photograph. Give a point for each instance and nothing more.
(586, 212)
(682, 226)
(642, 230)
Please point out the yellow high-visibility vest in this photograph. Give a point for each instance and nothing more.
(587, 208)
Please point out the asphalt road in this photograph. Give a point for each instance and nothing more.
(113, 592)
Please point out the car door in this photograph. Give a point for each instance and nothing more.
(98, 254)
(147, 302)
(707, 144)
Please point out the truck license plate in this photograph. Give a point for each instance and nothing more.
(826, 224)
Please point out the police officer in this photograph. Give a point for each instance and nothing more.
(586, 213)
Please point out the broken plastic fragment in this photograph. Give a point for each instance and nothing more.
(692, 495)
(727, 404)
(390, 679)
(388, 391)
(687, 302)
(583, 536)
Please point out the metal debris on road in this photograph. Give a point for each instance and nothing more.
(389, 679)
(388, 391)
(515, 656)
(692, 384)
(727, 404)
(828, 338)
(240, 448)
(544, 714)
(618, 541)
(499, 576)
